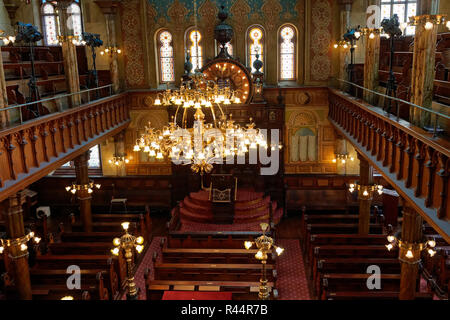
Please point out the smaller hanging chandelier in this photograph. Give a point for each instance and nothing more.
(6, 39)
(343, 157)
(366, 191)
(411, 250)
(77, 187)
(118, 160)
(111, 50)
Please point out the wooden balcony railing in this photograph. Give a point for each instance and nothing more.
(413, 162)
(30, 151)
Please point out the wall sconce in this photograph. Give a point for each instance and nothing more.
(366, 192)
(118, 160)
(6, 39)
(77, 187)
(429, 21)
(20, 242)
(111, 50)
(410, 252)
(342, 158)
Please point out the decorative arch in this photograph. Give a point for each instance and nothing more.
(255, 44)
(194, 45)
(287, 52)
(165, 56)
(303, 137)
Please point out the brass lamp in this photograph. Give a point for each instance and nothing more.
(410, 252)
(128, 242)
(265, 245)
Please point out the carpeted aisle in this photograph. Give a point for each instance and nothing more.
(292, 282)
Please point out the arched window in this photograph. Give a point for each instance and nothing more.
(255, 45)
(49, 18)
(165, 56)
(74, 20)
(287, 40)
(403, 8)
(193, 44)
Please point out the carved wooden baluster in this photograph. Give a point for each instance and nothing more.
(110, 116)
(370, 127)
(410, 150)
(394, 143)
(96, 120)
(376, 138)
(387, 140)
(443, 173)
(366, 133)
(84, 119)
(62, 127)
(381, 139)
(44, 134)
(420, 157)
(77, 129)
(52, 130)
(373, 136)
(431, 165)
(102, 118)
(33, 138)
(9, 147)
(91, 127)
(401, 150)
(70, 125)
(22, 142)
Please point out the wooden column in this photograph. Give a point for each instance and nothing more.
(365, 180)
(423, 68)
(18, 257)
(84, 198)
(69, 52)
(4, 115)
(346, 8)
(371, 64)
(109, 9)
(411, 235)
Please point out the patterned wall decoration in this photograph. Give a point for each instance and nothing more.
(133, 43)
(271, 10)
(320, 52)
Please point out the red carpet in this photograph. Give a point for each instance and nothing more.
(196, 295)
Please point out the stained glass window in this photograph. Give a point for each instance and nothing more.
(193, 44)
(74, 20)
(166, 57)
(287, 40)
(50, 20)
(403, 8)
(255, 40)
(50, 27)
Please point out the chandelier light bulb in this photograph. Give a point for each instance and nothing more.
(115, 251)
(336, 45)
(140, 240)
(409, 254)
(390, 238)
(365, 193)
(334, 160)
(431, 252)
(159, 155)
(372, 36)
(431, 243)
(1, 249)
(389, 247)
(447, 24)
(73, 191)
(90, 190)
(37, 240)
(279, 250)
(68, 188)
(151, 153)
(248, 244)
(429, 25)
(23, 247)
(139, 248)
(98, 185)
(125, 225)
(259, 255)
(116, 242)
(157, 102)
(67, 298)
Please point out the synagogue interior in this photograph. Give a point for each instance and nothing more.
(224, 150)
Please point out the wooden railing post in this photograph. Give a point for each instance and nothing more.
(411, 234)
(365, 180)
(371, 64)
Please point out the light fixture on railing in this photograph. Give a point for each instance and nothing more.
(111, 50)
(20, 242)
(89, 187)
(366, 192)
(429, 21)
(265, 245)
(6, 39)
(76, 40)
(118, 160)
(410, 252)
(127, 243)
(342, 157)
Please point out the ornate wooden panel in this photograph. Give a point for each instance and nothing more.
(32, 150)
(416, 165)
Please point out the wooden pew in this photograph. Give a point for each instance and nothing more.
(338, 282)
(78, 248)
(218, 272)
(210, 240)
(218, 256)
